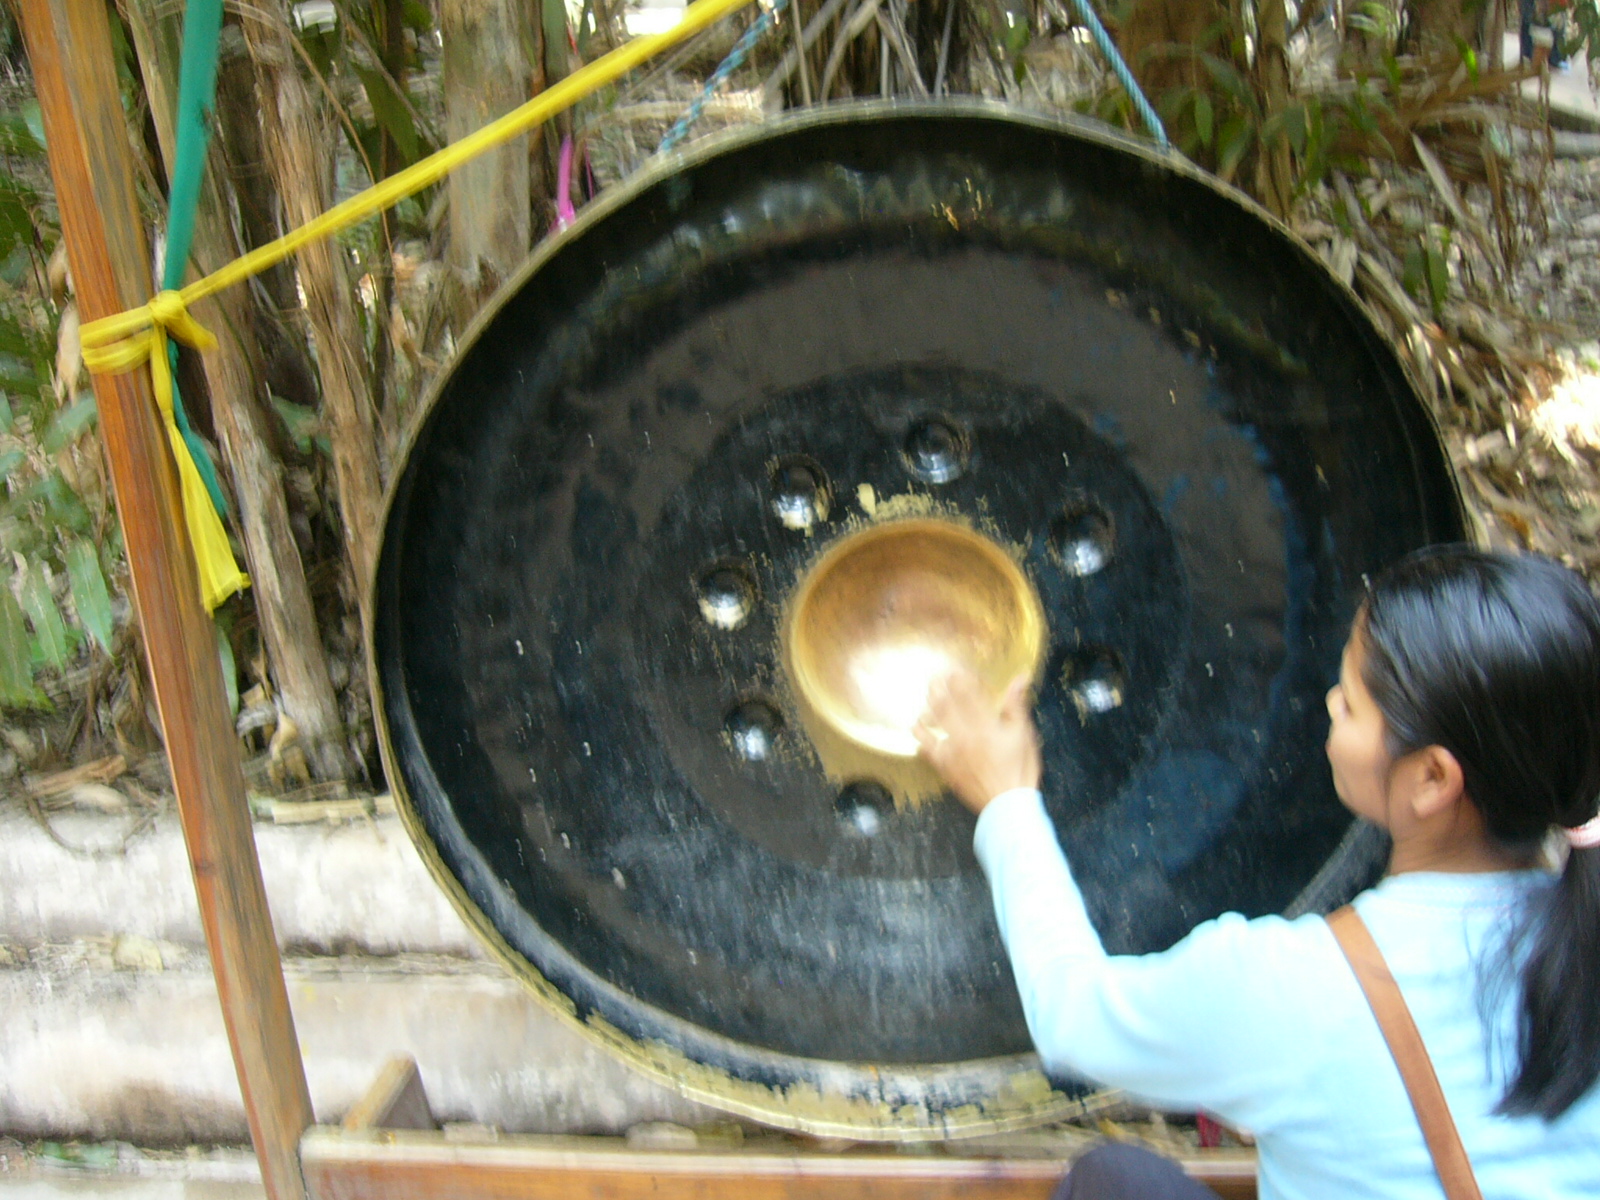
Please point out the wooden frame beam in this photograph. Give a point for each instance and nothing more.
(75, 72)
(398, 1165)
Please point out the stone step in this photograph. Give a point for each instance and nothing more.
(112, 1027)
(121, 1037)
(356, 887)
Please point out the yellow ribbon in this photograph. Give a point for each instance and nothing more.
(121, 343)
(125, 340)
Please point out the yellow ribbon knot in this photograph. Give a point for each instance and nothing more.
(124, 342)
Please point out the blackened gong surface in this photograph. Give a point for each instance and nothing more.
(1191, 439)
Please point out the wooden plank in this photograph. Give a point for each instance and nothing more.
(396, 1100)
(422, 1166)
(69, 48)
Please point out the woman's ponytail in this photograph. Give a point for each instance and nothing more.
(1558, 1031)
(1496, 657)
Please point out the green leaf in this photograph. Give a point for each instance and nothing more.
(322, 47)
(69, 423)
(49, 630)
(1235, 142)
(9, 462)
(1414, 272)
(17, 205)
(1294, 127)
(230, 669)
(1438, 275)
(391, 112)
(16, 675)
(16, 138)
(89, 594)
(33, 121)
(301, 422)
(6, 419)
(1230, 81)
(1203, 118)
(417, 16)
(62, 507)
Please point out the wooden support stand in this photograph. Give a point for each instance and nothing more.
(389, 1145)
(378, 1154)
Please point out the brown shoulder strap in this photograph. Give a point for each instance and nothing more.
(1410, 1055)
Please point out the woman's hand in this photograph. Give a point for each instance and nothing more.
(980, 745)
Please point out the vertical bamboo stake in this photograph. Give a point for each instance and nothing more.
(69, 46)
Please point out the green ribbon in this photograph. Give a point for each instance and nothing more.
(197, 83)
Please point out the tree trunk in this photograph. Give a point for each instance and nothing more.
(1434, 26)
(1274, 168)
(233, 377)
(1153, 24)
(485, 73)
(299, 141)
(288, 364)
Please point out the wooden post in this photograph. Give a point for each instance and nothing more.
(69, 46)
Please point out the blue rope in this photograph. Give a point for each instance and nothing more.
(735, 60)
(1119, 68)
(745, 44)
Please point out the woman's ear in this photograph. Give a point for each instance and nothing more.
(1436, 781)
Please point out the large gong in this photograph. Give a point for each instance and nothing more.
(1031, 347)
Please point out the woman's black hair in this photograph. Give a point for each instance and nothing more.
(1496, 658)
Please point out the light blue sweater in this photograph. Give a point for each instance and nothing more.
(1261, 1022)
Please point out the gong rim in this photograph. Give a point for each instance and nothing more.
(859, 1100)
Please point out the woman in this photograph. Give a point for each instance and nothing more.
(1466, 722)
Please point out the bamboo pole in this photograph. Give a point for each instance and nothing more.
(69, 47)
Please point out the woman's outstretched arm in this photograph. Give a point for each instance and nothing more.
(1204, 1024)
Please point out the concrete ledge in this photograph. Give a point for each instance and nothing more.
(358, 887)
(95, 1051)
(217, 1173)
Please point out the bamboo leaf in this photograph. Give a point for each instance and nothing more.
(230, 668)
(33, 120)
(1203, 118)
(69, 423)
(16, 675)
(1171, 102)
(1294, 127)
(417, 16)
(1235, 142)
(1464, 219)
(49, 630)
(1230, 81)
(391, 113)
(1414, 277)
(1438, 276)
(16, 139)
(302, 423)
(89, 593)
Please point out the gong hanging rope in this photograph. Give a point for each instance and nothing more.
(757, 31)
(725, 68)
(1119, 68)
